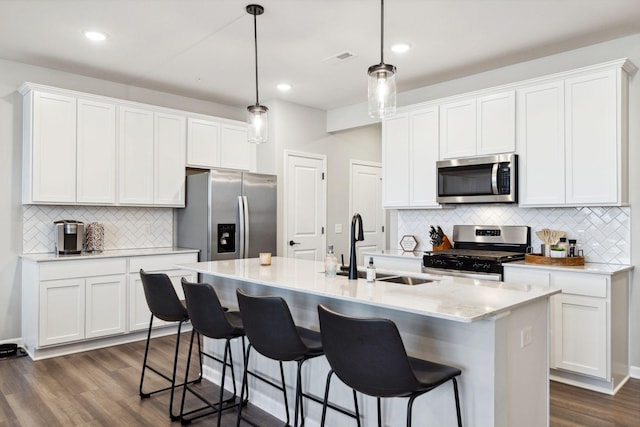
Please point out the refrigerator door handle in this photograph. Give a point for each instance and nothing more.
(246, 227)
(241, 222)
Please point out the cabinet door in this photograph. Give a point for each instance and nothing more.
(423, 154)
(395, 158)
(96, 164)
(235, 150)
(62, 304)
(458, 129)
(496, 123)
(592, 140)
(136, 156)
(580, 335)
(203, 143)
(53, 145)
(105, 305)
(540, 146)
(169, 153)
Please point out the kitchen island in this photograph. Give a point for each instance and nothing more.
(495, 332)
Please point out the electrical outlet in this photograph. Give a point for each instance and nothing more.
(338, 228)
(526, 336)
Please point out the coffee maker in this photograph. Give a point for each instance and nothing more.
(69, 236)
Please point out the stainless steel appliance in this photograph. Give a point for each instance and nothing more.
(69, 236)
(228, 214)
(479, 251)
(488, 179)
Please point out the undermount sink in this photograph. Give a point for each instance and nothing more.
(394, 278)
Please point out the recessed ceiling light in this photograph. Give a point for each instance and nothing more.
(284, 87)
(400, 47)
(95, 36)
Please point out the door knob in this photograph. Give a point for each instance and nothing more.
(291, 243)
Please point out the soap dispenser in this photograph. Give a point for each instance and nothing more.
(330, 263)
(371, 271)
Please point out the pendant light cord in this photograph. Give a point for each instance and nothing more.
(255, 41)
(382, 31)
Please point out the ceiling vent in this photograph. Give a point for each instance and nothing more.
(339, 57)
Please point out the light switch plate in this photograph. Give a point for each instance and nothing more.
(338, 228)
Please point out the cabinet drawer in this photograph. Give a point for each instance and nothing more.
(580, 284)
(82, 268)
(160, 262)
(528, 276)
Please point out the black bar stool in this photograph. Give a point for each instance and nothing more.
(164, 304)
(272, 332)
(368, 355)
(209, 318)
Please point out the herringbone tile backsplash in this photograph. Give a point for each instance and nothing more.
(603, 233)
(124, 227)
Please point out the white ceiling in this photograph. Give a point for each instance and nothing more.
(204, 48)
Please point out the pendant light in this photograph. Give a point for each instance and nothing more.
(257, 114)
(382, 81)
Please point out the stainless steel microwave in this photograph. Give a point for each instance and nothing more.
(487, 179)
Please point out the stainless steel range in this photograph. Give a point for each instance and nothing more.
(479, 251)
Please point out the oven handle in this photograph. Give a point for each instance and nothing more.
(493, 277)
(494, 178)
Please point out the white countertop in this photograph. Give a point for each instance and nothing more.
(52, 256)
(589, 267)
(396, 253)
(446, 297)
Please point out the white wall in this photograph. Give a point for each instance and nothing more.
(12, 75)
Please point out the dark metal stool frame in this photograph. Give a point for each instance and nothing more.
(273, 333)
(211, 320)
(367, 354)
(164, 304)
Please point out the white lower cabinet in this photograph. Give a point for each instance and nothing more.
(589, 343)
(70, 304)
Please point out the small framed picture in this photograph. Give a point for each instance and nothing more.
(408, 243)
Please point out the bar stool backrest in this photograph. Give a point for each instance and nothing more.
(270, 328)
(161, 297)
(206, 312)
(367, 354)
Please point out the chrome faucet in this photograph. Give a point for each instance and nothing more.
(353, 268)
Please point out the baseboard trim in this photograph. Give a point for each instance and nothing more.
(634, 372)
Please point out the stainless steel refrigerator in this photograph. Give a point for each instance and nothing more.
(228, 214)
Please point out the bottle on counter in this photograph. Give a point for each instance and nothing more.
(572, 248)
(330, 263)
(371, 271)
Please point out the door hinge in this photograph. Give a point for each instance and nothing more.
(323, 176)
(322, 230)
(383, 228)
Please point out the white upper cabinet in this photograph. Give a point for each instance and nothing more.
(409, 154)
(572, 139)
(136, 156)
(458, 129)
(541, 144)
(496, 123)
(219, 144)
(170, 137)
(478, 125)
(203, 143)
(49, 149)
(96, 151)
(593, 139)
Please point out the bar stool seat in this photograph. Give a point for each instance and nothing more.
(164, 304)
(210, 319)
(367, 354)
(272, 332)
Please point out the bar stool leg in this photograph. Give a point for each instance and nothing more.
(455, 391)
(186, 374)
(244, 382)
(379, 412)
(410, 408)
(144, 361)
(326, 398)
(355, 402)
(284, 392)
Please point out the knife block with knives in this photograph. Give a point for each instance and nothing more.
(439, 240)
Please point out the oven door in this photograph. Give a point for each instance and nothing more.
(493, 277)
(478, 180)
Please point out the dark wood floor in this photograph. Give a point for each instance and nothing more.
(100, 388)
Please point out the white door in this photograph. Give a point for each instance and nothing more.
(305, 205)
(136, 156)
(170, 138)
(105, 305)
(365, 194)
(62, 306)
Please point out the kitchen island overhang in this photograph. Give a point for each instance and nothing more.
(496, 333)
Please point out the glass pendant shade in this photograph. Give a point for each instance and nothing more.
(258, 129)
(382, 90)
